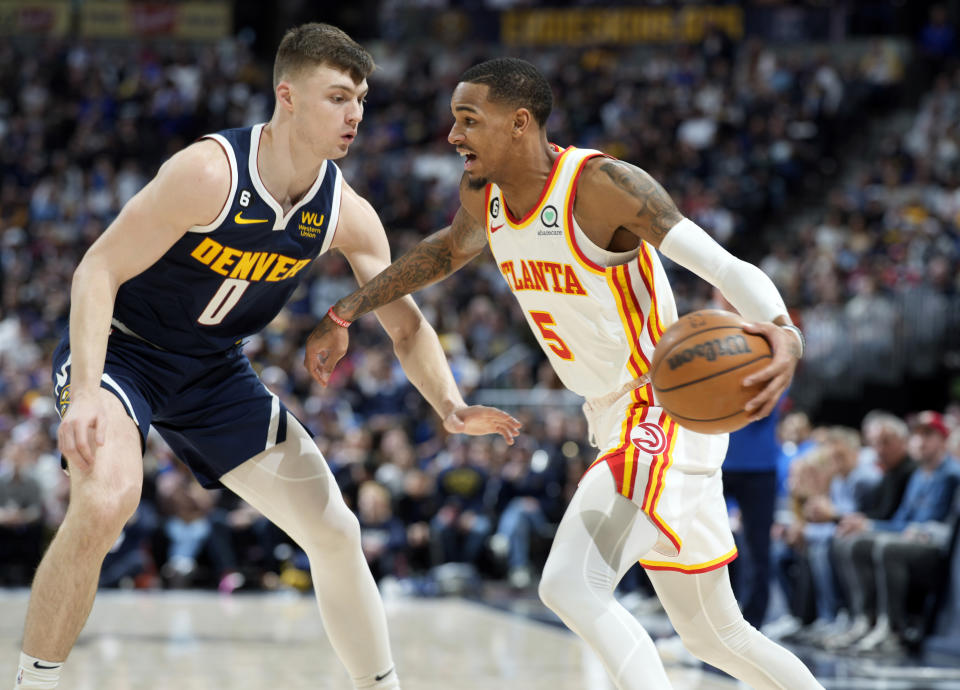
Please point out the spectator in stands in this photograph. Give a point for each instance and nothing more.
(875, 544)
(462, 523)
(21, 511)
(531, 504)
(382, 535)
(750, 481)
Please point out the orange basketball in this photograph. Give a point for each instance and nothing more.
(698, 368)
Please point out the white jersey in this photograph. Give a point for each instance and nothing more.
(597, 314)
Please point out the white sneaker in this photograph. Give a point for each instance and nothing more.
(781, 627)
(841, 640)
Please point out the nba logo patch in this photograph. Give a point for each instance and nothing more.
(648, 438)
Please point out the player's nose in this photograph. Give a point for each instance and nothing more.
(455, 136)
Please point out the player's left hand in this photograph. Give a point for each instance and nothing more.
(777, 374)
(325, 346)
(478, 420)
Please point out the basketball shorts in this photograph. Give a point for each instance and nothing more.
(213, 411)
(673, 475)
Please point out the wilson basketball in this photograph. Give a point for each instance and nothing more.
(698, 368)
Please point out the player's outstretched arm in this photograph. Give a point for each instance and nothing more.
(364, 244)
(189, 189)
(433, 259)
(616, 195)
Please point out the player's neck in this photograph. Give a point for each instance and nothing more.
(528, 174)
(287, 170)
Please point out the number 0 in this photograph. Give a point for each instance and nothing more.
(543, 319)
(223, 300)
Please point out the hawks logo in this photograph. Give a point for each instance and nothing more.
(648, 438)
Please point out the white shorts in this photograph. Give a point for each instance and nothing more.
(673, 475)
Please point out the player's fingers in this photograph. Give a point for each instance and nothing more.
(776, 368)
(81, 439)
(100, 430)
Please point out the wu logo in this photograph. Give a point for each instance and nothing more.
(309, 218)
(648, 438)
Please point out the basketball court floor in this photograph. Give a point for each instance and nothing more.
(181, 640)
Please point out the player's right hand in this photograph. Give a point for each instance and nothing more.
(83, 429)
(326, 345)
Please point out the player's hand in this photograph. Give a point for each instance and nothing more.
(83, 429)
(478, 420)
(777, 375)
(326, 345)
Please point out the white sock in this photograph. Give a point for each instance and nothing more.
(37, 674)
(381, 681)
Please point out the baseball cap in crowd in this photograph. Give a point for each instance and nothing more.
(929, 419)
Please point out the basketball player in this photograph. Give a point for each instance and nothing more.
(205, 255)
(573, 232)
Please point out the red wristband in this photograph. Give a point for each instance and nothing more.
(343, 323)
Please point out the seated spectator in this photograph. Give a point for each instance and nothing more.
(882, 555)
(186, 509)
(21, 513)
(382, 535)
(848, 493)
(462, 523)
(530, 496)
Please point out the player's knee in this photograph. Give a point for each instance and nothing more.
(558, 591)
(715, 645)
(102, 517)
(337, 530)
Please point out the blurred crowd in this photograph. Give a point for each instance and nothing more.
(733, 131)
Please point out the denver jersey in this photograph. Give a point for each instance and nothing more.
(227, 280)
(597, 315)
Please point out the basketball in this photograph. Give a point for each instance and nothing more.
(698, 367)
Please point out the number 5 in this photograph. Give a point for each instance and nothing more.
(543, 319)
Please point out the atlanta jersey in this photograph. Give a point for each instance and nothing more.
(224, 281)
(597, 315)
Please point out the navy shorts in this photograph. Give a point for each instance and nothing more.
(213, 411)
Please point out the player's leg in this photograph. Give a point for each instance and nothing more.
(602, 534)
(102, 499)
(705, 614)
(292, 486)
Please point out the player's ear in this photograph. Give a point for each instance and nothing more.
(285, 95)
(522, 120)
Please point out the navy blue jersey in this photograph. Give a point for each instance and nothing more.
(227, 280)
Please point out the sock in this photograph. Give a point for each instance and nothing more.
(382, 681)
(37, 674)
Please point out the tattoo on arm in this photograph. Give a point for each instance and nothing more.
(656, 207)
(433, 259)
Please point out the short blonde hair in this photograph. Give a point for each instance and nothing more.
(315, 44)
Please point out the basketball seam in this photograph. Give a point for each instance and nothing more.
(713, 375)
(710, 419)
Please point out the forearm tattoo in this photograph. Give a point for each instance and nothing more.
(657, 209)
(427, 262)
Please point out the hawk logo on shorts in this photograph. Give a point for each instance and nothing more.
(648, 438)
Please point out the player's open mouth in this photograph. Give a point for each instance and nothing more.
(468, 160)
(348, 138)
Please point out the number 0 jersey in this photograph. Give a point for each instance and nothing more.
(227, 280)
(597, 314)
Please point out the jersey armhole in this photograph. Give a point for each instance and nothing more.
(335, 206)
(234, 178)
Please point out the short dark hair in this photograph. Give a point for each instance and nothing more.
(315, 44)
(516, 82)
